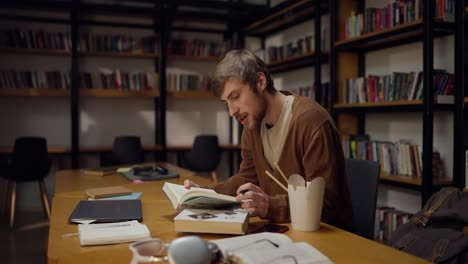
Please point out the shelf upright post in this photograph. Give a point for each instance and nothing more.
(361, 73)
(74, 96)
(318, 52)
(333, 57)
(160, 103)
(229, 36)
(428, 100)
(459, 149)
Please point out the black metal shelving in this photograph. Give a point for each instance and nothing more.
(424, 30)
(161, 13)
(286, 15)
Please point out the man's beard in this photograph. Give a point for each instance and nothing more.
(258, 118)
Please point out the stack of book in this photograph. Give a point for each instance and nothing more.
(205, 211)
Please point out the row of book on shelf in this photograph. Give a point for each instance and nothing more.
(311, 91)
(33, 39)
(106, 78)
(197, 47)
(395, 13)
(401, 158)
(301, 46)
(395, 86)
(182, 80)
(387, 219)
(39, 39)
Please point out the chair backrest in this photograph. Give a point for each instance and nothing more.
(363, 179)
(127, 150)
(30, 160)
(205, 154)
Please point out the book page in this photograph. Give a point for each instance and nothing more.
(299, 253)
(197, 197)
(259, 242)
(179, 190)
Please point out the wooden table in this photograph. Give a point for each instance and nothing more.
(73, 180)
(340, 246)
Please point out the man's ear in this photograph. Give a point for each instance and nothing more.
(261, 82)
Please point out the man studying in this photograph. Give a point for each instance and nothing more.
(292, 132)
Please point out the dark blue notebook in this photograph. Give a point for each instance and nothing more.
(107, 211)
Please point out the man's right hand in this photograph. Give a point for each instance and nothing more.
(189, 184)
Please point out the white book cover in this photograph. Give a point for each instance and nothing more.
(112, 233)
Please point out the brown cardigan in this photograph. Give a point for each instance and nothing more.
(312, 148)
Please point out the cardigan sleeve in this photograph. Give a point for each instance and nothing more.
(323, 156)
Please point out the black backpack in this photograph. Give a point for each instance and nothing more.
(436, 232)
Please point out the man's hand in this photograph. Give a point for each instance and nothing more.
(189, 184)
(256, 201)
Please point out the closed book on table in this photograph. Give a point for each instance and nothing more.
(101, 171)
(112, 233)
(106, 211)
(212, 221)
(110, 191)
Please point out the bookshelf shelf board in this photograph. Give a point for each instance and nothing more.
(121, 55)
(189, 147)
(34, 92)
(48, 52)
(296, 62)
(412, 180)
(192, 95)
(403, 105)
(286, 17)
(95, 92)
(397, 35)
(8, 150)
(392, 106)
(102, 149)
(195, 58)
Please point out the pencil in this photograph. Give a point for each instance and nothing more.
(281, 172)
(278, 182)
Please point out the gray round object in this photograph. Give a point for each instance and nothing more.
(189, 250)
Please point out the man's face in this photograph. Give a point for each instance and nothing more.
(243, 103)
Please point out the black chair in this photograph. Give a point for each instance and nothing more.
(363, 179)
(126, 150)
(205, 156)
(29, 162)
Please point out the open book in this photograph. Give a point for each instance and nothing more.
(112, 233)
(197, 197)
(269, 248)
(212, 221)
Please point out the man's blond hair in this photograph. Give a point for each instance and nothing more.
(241, 64)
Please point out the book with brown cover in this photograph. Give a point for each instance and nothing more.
(101, 171)
(110, 191)
(212, 221)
